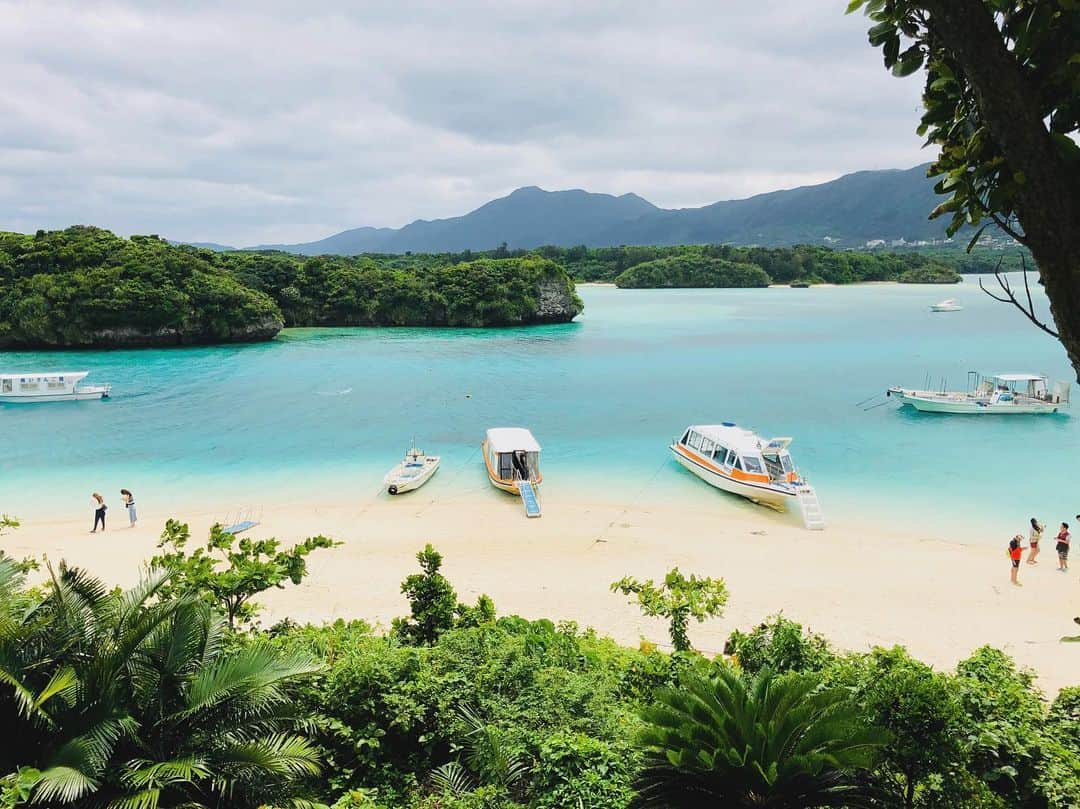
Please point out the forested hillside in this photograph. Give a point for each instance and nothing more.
(86, 287)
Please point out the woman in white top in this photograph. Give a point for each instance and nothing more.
(1034, 537)
(128, 500)
(97, 503)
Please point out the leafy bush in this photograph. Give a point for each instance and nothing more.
(780, 645)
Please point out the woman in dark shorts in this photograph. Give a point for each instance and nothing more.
(1016, 552)
(1063, 547)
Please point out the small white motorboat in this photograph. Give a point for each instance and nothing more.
(947, 305)
(413, 472)
(1003, 394)
(56, 386)
(740, 462)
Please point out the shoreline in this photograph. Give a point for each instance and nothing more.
(857, 584)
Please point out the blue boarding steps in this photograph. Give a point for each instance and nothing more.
(240, 527)
(529, 498)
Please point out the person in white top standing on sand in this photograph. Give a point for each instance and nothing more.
(1033, 541)
(97, 503)
(129, 502)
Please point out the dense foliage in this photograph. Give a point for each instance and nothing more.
(773, 741)
(124, 699)
(409, 290)
(145, 698)
(692, 270)
(86, 287)
(712, 265)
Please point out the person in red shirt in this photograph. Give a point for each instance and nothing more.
(1016, 553)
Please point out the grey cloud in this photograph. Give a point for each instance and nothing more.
(275, 121)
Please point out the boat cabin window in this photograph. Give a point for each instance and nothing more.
(720, 453)
(737, 463)
(28, 384)
(54, 383)
(707, 447)
(685, 438)
(6, 385)
(695, 441)
(752, 464)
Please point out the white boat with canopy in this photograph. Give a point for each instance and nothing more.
(54, 386)
(1001, 394)
(512, 458)
(414, 471)
(739, 461)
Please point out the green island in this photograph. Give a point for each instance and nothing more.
(170, 694)
(86, 287)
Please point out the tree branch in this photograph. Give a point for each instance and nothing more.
(1010, 296)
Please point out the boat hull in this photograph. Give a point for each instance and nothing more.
(759, 493)
(396, 482)
(973, 406)
(80, 395)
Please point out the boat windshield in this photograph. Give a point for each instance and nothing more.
(752, 463)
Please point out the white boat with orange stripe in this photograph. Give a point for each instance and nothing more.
(741, 462)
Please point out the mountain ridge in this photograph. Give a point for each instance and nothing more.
(847, 212)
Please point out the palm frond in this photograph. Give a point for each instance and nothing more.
(59, 785)
(281, 754)
(451, 778)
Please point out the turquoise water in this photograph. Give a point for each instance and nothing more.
(322, 411)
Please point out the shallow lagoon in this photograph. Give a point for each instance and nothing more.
(321, 412)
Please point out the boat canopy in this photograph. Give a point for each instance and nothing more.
(744, 442)
(511, 439)
(1019, 377)
(63, 376)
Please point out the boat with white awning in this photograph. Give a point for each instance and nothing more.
(1001, 394)
(52, 386)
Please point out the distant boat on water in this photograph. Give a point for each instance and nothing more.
(947, 305)
(61, 386)
(1002, 394)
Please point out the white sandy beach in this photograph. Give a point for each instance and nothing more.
(861, 587)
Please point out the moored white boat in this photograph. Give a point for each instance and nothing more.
(1002, 394)
(947, 305)
(740, 462)
(55, 386)
(414, 471)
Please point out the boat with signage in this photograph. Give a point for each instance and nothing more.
(52, 386)
(739, 461)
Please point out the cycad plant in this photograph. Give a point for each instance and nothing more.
(781, 742)
(119, 699)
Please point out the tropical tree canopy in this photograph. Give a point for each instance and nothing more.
(121, 699)
(1002, 102)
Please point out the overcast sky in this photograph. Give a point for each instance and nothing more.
(265, 121)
